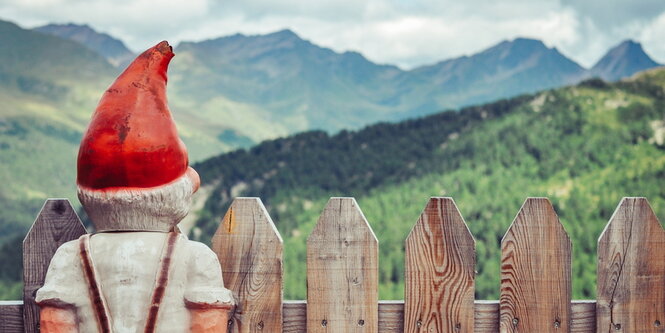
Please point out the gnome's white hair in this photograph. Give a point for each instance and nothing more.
(138, 209)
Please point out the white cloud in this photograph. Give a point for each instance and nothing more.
(652, 38)
(404, 32)
(617, 14)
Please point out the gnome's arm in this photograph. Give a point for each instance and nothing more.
(209, 303)
(54, 319)
(209, 320)
(63, 287)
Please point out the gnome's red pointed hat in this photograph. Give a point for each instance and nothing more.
(132, 139)
(131, 160)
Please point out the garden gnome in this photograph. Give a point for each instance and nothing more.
(137, 273)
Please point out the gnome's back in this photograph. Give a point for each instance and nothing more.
(127, 266)
(137, 273)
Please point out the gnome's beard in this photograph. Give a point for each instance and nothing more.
(136, 209)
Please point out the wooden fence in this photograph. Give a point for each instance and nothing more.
(342, 272)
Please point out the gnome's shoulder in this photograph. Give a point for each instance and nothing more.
(64, 281)
(198, 250)
(68, 249)
(205, 284)
(195, 245)
(201, 258)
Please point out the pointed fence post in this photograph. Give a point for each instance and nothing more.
(342, 271)
(631, 270)
(249, 249)
(56, 224)
(439, 271)
(535, 272)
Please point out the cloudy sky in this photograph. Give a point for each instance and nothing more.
(408, 33)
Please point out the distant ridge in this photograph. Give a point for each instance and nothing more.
(312, 87)
(33, 60)
(507, 69)
(241, 89)
(109, 47)
(238, 90)
(622, 61)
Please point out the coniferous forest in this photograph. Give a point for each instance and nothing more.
(585, 147)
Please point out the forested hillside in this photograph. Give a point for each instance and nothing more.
(584, 146)
(235, 91)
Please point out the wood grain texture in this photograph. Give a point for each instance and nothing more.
(57, 223)
(342, 271)
(295, 317)
(631, 270)
(486, 318)
(11, 316)
(249, 249)
(535, 272)
(583, 315)
(391, 316)
(439, 271)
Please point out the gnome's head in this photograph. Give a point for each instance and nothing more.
(133, 171)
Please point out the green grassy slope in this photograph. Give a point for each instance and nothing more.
(584, 146)
(48, 87)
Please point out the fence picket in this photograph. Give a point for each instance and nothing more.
(535, 272)
(342, 271)
(439, 271)
(249, 249)
(56, 224)
(631, 270)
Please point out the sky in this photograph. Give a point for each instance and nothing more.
(407, 33)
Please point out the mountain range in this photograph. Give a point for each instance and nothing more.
(239, 90)
(110, 48)
(286, 84)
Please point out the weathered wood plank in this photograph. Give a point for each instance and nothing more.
(390, 316)
(583, 315)
(535, 271)
(11, 316)
(295, 317)
(342, 271)
(486, 318)
(57, 223)
(249, 249)
(439, 271)
(631, 270)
